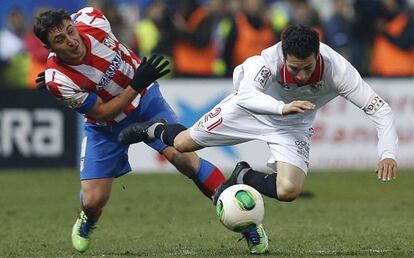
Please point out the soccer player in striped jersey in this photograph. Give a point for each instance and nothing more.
(276, 97)
(93, 73)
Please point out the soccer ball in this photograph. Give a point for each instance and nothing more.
(240, 208)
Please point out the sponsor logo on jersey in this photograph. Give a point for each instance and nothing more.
(303, 148)
(374, 105)
(110, 72)
(263, 75)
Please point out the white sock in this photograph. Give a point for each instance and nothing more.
(151, 130)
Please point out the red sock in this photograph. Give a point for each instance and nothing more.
(92, 214)
(208, 178)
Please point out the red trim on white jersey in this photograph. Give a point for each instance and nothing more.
(87, 29)
(54, 88)
(95, 14)
(316, 76)
(82, 81)
(215, 124)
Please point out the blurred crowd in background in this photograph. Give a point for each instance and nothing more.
(209, 38)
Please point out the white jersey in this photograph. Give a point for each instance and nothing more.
(263, 87)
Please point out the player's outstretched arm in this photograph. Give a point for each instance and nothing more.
(387, 169)
(297, 106)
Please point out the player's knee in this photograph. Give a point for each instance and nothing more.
(94, 200)
(184, 143)
(287, 192)
(181, 146)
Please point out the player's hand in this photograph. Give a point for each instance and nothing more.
(149, 71)
(297, 106)
(40, 81)
(387, 169)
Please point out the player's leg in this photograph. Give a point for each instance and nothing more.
(290, 158)
(205, 175)
(93, 197)
(289, 183)
(172, 134)
(180, 139)
(212, 129)
(224, 125)
(257, 240)
(102, 159)
(285, 185)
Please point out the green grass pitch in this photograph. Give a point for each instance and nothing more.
(163, 215)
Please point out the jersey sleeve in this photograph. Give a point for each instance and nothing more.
(91, 17)
(250, 80)
(351, 86)
(70, 94)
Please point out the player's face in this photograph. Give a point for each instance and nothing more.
(301, 69)
(66, 42)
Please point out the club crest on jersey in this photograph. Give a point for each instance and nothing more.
(263, 75)
(110, 42)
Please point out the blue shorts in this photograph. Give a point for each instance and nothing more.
(102, 156)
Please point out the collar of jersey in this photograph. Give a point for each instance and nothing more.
(316, 76)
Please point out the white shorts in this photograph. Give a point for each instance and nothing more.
(229, 124)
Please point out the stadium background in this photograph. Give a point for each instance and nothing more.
(34, 133)
(162, 214)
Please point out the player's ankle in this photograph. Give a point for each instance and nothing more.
(155, 130)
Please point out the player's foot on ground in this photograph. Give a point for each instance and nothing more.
(139, 132)
(257, 240)
(242, 166)
(81, 233)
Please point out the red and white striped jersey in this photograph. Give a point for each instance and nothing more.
(105, 72)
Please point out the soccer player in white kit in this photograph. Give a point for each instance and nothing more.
(275, 100)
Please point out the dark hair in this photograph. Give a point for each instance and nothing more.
(300, 41)
(48, 21)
